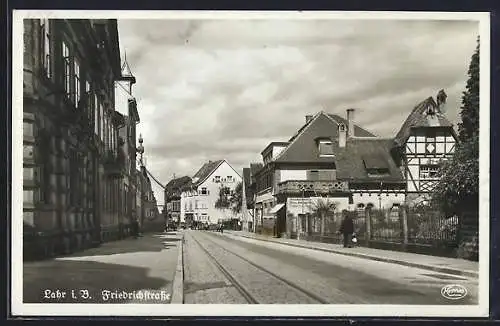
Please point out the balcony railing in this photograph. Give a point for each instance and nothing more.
(312, 186)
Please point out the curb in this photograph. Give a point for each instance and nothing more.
(439, 269)
(178, 284)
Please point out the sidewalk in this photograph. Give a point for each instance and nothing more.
(146, 265)
(433, 263)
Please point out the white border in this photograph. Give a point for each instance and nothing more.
(292, 310)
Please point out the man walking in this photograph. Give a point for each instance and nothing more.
(347, 229)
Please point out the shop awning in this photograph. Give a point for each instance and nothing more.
(276, 208)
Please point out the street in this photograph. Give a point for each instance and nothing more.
(230, 268)
(224, 268)
(107, 274)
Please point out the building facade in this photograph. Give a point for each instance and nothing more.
(127, 117)
(425, 140)
(72, 164)
(172, 199)
(200, 195)
(148, 214)
(331, 159)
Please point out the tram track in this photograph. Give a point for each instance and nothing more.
(250, 294)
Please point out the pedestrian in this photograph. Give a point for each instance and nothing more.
(347, 229)
(135, 228)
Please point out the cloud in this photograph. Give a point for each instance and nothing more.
(213, 89)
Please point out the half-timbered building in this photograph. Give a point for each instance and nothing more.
(425, 140)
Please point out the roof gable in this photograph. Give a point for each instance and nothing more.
(358, 131)
(303, 148)
(205, 171)
(420, 118)
(177, 183)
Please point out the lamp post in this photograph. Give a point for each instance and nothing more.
(140, 150)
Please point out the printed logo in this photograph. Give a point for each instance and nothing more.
(454, 291)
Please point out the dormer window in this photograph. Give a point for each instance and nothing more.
(325, 148)
(376, 166)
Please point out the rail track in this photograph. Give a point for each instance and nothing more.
(247, 293)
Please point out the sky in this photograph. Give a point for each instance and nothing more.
(224, 89)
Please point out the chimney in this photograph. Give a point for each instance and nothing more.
(342, 135)
(308, 118)
(441, 101)
(350, 122)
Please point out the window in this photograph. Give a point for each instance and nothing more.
(342, 127)
(204, 191)
(377, 172)
(76, 76)
(95, 117)
(28, 196)
(229, 178)
(67, 68)
(429, 171)
(28, 152)
(101, 121)
(46, 34)
(28, 173)
(325, 148)
(28, 129)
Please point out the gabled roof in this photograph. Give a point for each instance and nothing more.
(176, 184)
(350, 160)
(418, 118)
(302, 147)
(205, 171)
(358, 131)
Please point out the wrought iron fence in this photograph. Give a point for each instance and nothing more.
(425, 227)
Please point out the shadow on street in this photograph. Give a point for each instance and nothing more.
(83, 276)
(141, 244)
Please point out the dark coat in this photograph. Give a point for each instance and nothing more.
(347, 225)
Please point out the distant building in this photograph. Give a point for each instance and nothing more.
(172, 199)
(249, 186)
(200, 195)
(147, 206)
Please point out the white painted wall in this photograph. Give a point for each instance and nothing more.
(286, 175)
(206, 211)
(277, 150)
(386, 200)
(121, 97)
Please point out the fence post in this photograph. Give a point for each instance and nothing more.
(368, 231)
(404, 216)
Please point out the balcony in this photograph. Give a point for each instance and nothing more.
(318, 187)
(114, 164)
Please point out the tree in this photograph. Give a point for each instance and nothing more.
(458, 187)
(223, 201)
(470, 101)
(323, 208)
(237, 198)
